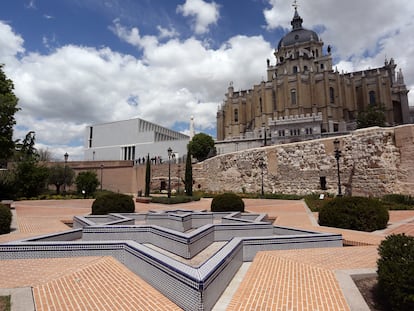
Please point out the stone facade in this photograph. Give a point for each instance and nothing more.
(374, 162)
(302, 82)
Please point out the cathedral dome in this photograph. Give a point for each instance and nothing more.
(298, 33)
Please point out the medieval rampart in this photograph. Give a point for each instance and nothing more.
(374, 162)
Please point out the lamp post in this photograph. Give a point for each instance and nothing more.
(66, 156)
(102, 166)
(262, 165)
(169, 171)
(337, 156)
(264, 134)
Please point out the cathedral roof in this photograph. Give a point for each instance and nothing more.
(298, 33)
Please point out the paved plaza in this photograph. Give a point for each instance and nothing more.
(304, 279)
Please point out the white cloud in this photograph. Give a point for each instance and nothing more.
(132, 36)
(11, 44)
(167, 33)
(204, 14)
(72, 86)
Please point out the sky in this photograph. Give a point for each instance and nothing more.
(76, 63)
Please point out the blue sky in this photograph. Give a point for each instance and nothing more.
(80, 62)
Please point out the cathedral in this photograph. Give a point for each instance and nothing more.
(304, 98)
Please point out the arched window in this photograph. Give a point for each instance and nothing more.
(260, 105)
(372, 99)
(236, 115)
(295, 69)
(293, 97)
(331, 95)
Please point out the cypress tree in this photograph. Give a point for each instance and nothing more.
(188, 175)
(147, 177)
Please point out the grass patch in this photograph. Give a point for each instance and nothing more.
(5, 303)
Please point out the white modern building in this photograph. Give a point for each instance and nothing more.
(133, 140)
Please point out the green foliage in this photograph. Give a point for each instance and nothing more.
(147, 177)
(8, 108)
(355, 213)
(188, 182)
(7, 185)
(201, 146)
(174, 199)
(227, 202)
(31, 178)
(314, 203)
(113, 203)
(59, 175)
(373, 116)
(5, 219)
(88, 182)
(399, 199)
(5, 301)
(26, 151)
(396, 271)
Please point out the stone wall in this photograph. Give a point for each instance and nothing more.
(374, 162)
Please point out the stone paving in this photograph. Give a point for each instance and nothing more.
(276, 280)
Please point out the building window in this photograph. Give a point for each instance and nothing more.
(236, 115)
(260, 105)
(295, 69)
(331, 95)
(293, 97)
(128, 153)
(305, 68)
(322, 66)
(372, 99)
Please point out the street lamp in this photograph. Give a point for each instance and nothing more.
(337, 156)
(169, 171)
(66, 156)
(265, 134)
(262, 166)
(102, 166)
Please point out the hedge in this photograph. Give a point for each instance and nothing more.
(396, 271)
(355, 213)
(5, 219)
(227, 202)
(113, 203)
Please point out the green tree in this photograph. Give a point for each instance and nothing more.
(8, 108)
(59, 175)
(30, 176)
(88, 182)
(373, 116)
(188, 176)
(202, 146)
(147, 177)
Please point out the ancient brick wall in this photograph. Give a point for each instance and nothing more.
(374, 161)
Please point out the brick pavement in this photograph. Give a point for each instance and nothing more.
(308, 282)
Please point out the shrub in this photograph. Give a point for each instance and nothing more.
(227, 202)
(396, 271)
(5, 219)
(113, 203)
(399, 201)
(174, 200)
(355, 213)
